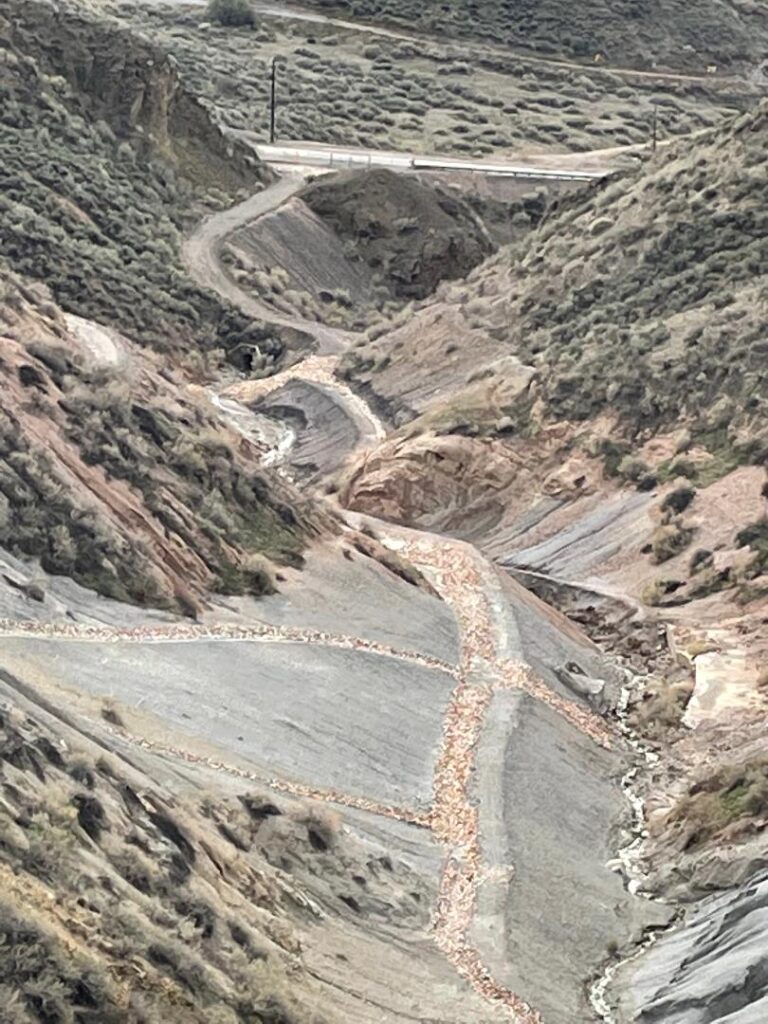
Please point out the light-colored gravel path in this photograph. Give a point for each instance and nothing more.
(316, 369)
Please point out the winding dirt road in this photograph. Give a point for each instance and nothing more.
(201, 253)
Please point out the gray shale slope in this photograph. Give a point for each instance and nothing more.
(714, 970)
(439, 775)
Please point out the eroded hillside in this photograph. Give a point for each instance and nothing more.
(115, 472)
(95, 192)
(120, 475)
(409, 673)
(635, 311)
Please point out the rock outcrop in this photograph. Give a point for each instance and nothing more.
(412, 235)
(711, 970)
(125, 80)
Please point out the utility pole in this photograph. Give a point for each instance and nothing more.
(655, 129)
(273, 94)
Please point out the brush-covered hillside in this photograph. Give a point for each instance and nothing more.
(136, 890)
(122, 903)
(436, 95)
(641, 33)
(627, 331)
(113, 470)
(642, 296)
(103, 159)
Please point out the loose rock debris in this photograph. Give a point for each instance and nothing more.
(463, 579)
(297, 789)
(182, 632)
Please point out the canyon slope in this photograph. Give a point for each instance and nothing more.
(382, 555)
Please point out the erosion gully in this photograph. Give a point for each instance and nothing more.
(462, 577)
(465, 580)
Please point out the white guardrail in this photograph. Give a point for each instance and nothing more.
(340, 159)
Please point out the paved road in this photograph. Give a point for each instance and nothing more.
(310, 154)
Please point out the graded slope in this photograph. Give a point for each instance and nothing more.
(598, 426)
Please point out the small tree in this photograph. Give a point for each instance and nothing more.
(231, 12)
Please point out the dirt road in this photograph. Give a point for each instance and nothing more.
(202, 255)
(468, 47)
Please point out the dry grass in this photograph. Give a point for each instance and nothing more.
(662, 708)
(114, 905)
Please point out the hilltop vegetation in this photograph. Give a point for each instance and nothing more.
(637, 33)
(643, 296)
(93, 203)
(346, 88)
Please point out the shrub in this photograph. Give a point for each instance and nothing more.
(670, 540)
(731, 794)
(235, 13)
(632, 468)
(678, 500)
(700, 559)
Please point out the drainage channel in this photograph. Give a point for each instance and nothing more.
(630, 855)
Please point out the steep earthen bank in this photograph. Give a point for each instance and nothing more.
(134, 86)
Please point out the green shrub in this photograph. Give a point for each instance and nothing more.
(731, 794)
(678, 500)
(235, 13)
(670, 540)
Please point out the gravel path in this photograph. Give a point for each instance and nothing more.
(316, 369)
